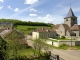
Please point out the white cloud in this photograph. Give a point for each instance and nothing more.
(55, 19)
(28, 8)
(32, 14)
(48, 18)
(1, 0)
(33, 10)
(9, 7)
(16, 9)
(1, 7)
(30, 1)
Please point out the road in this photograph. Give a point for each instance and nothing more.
(65, 54)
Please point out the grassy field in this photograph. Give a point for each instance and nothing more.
(27, 29)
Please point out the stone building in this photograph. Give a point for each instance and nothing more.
(70, 26)
(6, 25)
(43, 33)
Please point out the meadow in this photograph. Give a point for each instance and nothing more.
(27, 29)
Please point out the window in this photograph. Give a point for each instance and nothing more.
(48, 35)
(42, 35)
(73, 19)
(66, 20)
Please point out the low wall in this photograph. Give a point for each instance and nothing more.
(67, 42)
(49, 42)
(56, 44)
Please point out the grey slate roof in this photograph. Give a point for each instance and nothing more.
(70, 13)
(6, 24)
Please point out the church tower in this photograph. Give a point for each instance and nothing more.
(70, 19)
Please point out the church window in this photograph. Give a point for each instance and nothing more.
(66, 20)
(73, 19)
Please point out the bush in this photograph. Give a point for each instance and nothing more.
(62, 37)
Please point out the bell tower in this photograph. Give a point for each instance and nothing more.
(70, 19)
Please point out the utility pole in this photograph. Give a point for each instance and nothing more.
(71, 38)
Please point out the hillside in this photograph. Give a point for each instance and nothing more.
(27, 29)
(27, 23)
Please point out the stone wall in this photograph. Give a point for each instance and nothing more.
(61, 30)
(61, 42)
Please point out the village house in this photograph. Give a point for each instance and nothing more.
(43, 33)
(5, 28)
(6, 25)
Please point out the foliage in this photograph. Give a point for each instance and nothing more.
(2, 48)
(27, 29)
(62, 37)
(40, 45)
(14, 42)
(29, 23)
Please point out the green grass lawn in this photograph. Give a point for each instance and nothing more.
(27, 29)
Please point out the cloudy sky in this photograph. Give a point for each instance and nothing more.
(49, 11)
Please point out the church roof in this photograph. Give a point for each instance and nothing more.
(70, 13)
(66, 27)
(75, 27)
(56, 27)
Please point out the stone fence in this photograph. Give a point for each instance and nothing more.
(66, 42)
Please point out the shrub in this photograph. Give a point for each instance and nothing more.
(62, 37)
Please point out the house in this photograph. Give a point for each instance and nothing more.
(43, 33)
(70, 26)
(6, 25)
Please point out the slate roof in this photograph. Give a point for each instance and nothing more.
(75, 27)
(70, 13)
(6, 24)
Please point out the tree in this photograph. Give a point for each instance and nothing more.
(2, 49)
(14, 43)
(37, 46)
(40, 45)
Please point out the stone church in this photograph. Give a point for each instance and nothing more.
(70, 26)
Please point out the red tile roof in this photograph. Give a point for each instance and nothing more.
(56, 27)
(67, 27)
(44, 30)
(75, 27)
(1, 30)
(6, 34)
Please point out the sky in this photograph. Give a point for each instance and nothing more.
(48, 11)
